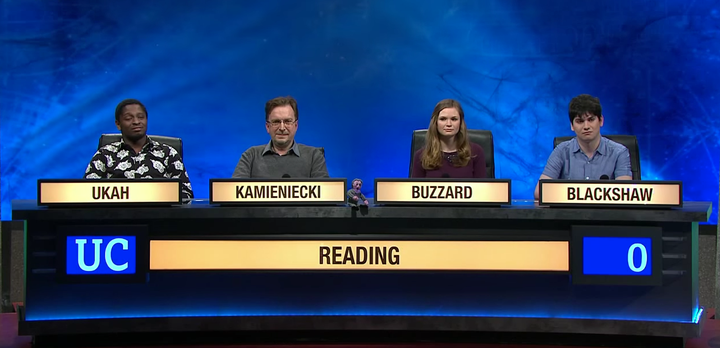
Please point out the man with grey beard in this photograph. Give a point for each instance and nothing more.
(282, 156)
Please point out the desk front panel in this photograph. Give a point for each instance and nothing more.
(54, 294)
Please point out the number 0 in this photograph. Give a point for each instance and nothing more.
(643, 257)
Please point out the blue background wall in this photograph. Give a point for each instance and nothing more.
(365, 73)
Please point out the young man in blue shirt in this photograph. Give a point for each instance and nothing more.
(588, 156)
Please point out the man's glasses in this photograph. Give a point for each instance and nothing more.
(277, 123)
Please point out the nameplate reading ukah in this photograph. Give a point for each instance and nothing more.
(611, 193)
(109, 191)
(442, 191)
(281, 191)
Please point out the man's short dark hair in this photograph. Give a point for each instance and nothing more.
(280, 101)
(584, 104)
(126, 102)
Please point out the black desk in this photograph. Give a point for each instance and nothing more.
(186, 301)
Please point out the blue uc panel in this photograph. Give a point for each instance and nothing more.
(92, 255)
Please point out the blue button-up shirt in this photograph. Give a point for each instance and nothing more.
(569, 162)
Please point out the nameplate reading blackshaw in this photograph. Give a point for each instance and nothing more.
(380, 255)
(614, 193)
(110, 191)
(442, 191)
(281, 191)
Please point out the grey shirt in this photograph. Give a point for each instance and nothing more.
(263, 162)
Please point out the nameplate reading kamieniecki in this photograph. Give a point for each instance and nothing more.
(294, 191)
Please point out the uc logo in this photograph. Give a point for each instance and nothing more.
(101, 255)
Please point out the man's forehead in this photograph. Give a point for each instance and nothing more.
(284, 110)
(132, 107)
(585, 116)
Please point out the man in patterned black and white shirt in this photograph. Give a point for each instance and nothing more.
(136, 155)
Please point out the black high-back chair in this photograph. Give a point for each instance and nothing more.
(176, 143)
(484, 138)
(629, 141)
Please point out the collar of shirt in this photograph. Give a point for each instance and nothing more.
(601, 150)
(149, 145)
(269, 149)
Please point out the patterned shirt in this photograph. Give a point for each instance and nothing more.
(155, 160)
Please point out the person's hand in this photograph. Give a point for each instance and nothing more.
(366, 202)
(355, 198)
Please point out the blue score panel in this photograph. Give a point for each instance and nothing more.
(617, 256)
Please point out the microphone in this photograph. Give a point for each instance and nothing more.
(288, 175)
(445, 175)
(604, 177)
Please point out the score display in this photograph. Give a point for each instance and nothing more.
(616, 255)
(597, 255)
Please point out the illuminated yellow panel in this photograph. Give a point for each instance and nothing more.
(359, 255)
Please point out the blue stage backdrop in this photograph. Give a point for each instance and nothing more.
(366, 73)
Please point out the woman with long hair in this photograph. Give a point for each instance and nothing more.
(448, 152)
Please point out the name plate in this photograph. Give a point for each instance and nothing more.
(354, 255)
(442, 191)
(109, 191)
(614, 193)
(279, 191)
